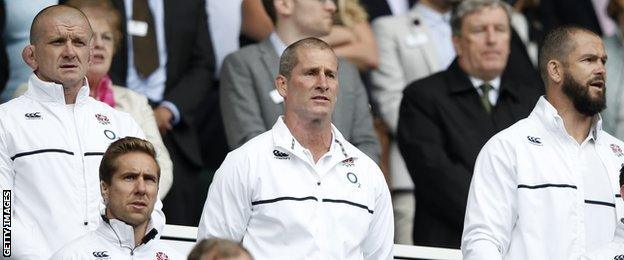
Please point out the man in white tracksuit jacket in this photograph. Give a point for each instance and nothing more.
(129, 177)
(546, 187)
(300, 190)
(52, 139)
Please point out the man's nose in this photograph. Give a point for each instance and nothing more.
(69, 51)
(140, 186)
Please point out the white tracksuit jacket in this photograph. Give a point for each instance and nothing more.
(526, 198)
(270, 195)
(49, 161)
(114, 240)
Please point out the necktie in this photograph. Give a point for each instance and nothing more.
(485, 94)
(144, 47)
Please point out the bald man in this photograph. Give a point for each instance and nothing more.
(52, 139)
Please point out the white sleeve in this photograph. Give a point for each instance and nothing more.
(228, 204)
(491, 211)
(380, 240)
(7, 173)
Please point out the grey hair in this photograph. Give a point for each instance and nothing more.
(467, 7)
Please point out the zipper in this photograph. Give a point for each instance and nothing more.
(84, 170)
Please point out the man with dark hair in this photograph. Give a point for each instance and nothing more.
(219, 249)
(544, 187)
(446, 118)
(250, 104)
(301, 190)
(129, 176)
(52, 137)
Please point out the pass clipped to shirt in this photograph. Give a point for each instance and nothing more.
(137, 28)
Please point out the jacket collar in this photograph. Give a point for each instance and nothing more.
(548, 115)
(282, 138)
(460, 82)
(52, 92)
(118, 231)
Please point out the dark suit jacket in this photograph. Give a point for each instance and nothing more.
(442, 127)
(578, 12)
(190, 64)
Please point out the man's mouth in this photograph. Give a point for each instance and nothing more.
(320, 98)
(68, 66)
(138, 204)
(597, 82)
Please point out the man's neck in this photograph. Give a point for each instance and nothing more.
(313, 134)
(288, 33)
(139, 233)
(576, 124)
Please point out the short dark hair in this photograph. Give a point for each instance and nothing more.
(105, 10)
(467, 7)
(269, 7)
(34, 26)
(557, 45)
(289, 58)
(221, 248)
(108, 165)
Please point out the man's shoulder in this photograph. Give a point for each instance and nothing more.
(432, 85)
(253, 147)
(84, 247)
(246, 54)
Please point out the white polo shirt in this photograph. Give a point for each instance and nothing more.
(270, 195)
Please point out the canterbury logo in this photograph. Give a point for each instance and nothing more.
(280, 155)
(35, 115)
(618, 257)
(100, 254)
(534, 140)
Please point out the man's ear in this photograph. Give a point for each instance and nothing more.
(104, 189)
(28, 55)
(622, 191)
(455, 40)
(283, 7)
(555, 71)
(281, 85)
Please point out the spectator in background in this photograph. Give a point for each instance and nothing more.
(19, 16)
(526, 21)
(413, 45)
(379, 8)
(257, 24)
(301, 190)
(351, 36)
(129, 177)
(52, 139)
(590, 14)
(219, 249)
(249, 101)
(544, 187)
(613, 115)
(167, 56)
(446, 118)
(104, 20)
(224, 24)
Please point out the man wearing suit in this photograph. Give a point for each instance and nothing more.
(250, 104)
(414, 45)
(173, 68)
(445, 119)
